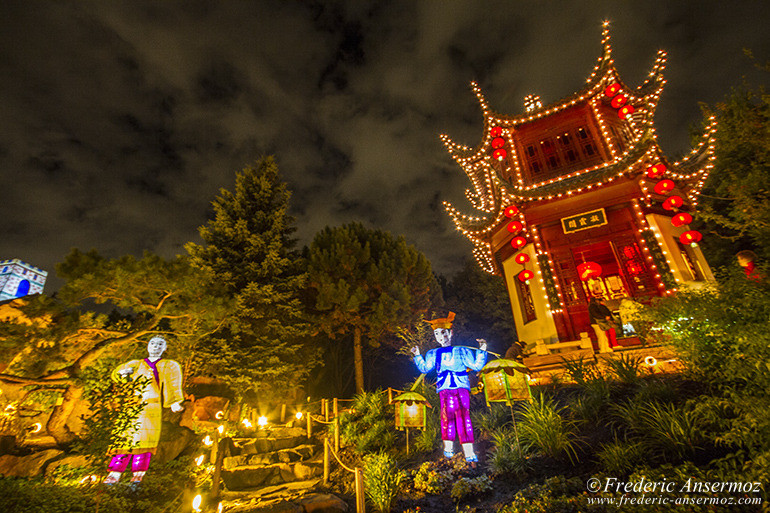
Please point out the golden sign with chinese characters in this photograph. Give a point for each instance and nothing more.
(584, 221)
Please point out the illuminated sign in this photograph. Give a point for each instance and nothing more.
(584, 221)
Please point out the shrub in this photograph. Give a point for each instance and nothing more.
(383, 480)
(369, 427)
(505, 457)
(581, 370)
(544, 429)
(469, 486)
(626, 368)
(431, 478)
(619, 457)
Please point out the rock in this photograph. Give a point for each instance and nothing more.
(303, 472)
(249, 477)
(71, 460)
(286, 473)
(7, 444)
(27, 466)
(323, 503)
(206, 408)
(173, 440)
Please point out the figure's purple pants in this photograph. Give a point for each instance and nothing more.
(139, 462)
(455, 415)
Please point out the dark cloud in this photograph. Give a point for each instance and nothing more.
(122, 120)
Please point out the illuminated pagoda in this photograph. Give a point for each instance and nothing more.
(575, 199)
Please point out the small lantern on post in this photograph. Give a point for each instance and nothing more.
(410, 412)
(506, 381)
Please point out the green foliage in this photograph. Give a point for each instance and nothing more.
(430, 478)
(366, 282)
(545, 430)
(555, 495)
(369, 427)
(383, 480)
(491, 420)
(505, 458)
(625, 367)
(466, 487)
(248, 257)
(620, 456)
(581, 370)
(115, 406)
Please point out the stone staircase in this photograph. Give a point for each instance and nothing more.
(277, 470)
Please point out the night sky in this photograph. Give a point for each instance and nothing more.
(120, 121)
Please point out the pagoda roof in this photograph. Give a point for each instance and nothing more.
(491, 192)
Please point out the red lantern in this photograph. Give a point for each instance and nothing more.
(499, 154)
(525, 275)
(511, 210)
(589, 270)
(664, 187)
(612, 89)
(681, 219)
(498, 142)
(496, 131)
(619, 101)
(521, 258)
(673, 202)
(518, 242)
(690, 237)
(625, 111)
(656, 171)
(515, 226)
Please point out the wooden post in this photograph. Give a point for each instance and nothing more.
(283, 413)
(360, 499)
(327, 461)
(516, 431)
(407, 440)
(309, 425)
(218, 468)
(390, 395)
(335, 407)
(336, 434)
(325, 405)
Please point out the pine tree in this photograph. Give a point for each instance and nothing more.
(368, 283)
(248, 252)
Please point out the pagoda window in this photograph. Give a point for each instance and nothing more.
(534, 160)
(525, 301)
(692, 262)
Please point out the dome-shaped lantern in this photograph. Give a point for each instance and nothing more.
(673, 202)
(505, 381)
(664, 187)
(681, 219)
(691, 237)
(656, 171)
(521, 258)
(625, 111)
(612, 89)
(511, 210)
(619, 101)
(518, 242)
(525, 275)
(410, 410)
(496, 131)
(498, 142)
(588, 270)
(499, 154)
(515, 226)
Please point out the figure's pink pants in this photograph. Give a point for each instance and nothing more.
(139, 462)
(455, 415)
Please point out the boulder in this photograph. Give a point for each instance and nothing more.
(323, 503)
(27, 466)
(249, 477)
(173, 441)
(303, 472)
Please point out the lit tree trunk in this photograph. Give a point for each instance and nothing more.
(57, 422)
(358, 360)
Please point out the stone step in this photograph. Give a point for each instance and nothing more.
(291, 455)
(296, 497)
(271, 440)
(254, 476)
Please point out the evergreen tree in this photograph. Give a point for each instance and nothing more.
(482, 305)
(736, 200)
(248, 252)
(368, 283)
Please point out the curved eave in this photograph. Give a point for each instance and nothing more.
(693, 170)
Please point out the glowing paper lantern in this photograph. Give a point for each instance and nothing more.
(681, 219)
(525, 275)
(664, 187)
(505, 381)
(496, 131)
(625, 111)
(673, 202)
(690, 237)
(410, 410)
(619, 101)
(499, 154)
(589, 270)
(521, 258)
(511, 210)
(518, 242)
(656, 171)
(498, 142)
(515, 226)
(612, 89)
